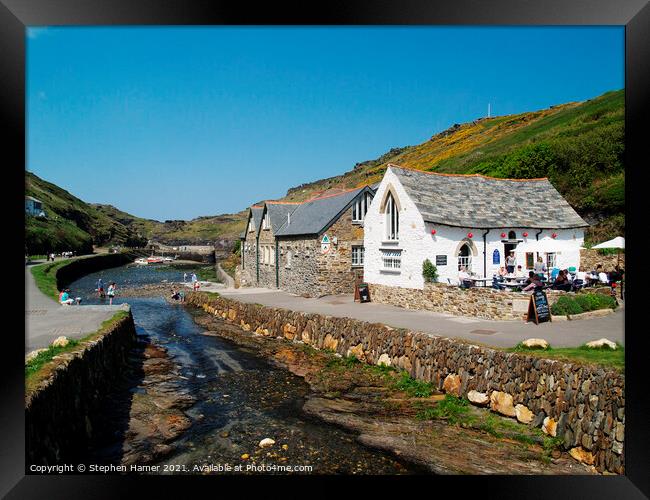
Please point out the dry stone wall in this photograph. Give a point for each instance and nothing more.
(58, 413)
(478, 302)
(582, 405)
(590, 258)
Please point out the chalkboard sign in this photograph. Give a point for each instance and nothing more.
(538, 310)
(364, 292)
(441, 260)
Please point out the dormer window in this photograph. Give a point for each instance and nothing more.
(360, 207)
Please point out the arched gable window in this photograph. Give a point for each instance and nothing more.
(392, 218)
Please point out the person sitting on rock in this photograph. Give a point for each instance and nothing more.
(65, 298)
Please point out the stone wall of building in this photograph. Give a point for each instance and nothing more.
(478, 302)
(336, 272)
(301, 276)
(248, 267)
(58, 411)
(267, 276)
(590, 258)
(583, 405)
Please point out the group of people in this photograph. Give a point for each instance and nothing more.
(110, 291)
(50, 256)
(178, 295)
(194, 280)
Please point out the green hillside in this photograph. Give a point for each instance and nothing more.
(578, 146)
(71, 224)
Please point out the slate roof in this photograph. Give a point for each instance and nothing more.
(313, 216)
(278, 213)
(481, 202)
(256, 212)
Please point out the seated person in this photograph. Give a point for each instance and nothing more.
(568, 276)
(65, 298)
(502, 272)
(519, 273)
(532, 282)
(463, 278)
(581, 274)
(496, 283)
(561, 282)
(603, 278)
(175, 295)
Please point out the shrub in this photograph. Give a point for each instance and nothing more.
(582, 302)
(429, 271)
(565, 305)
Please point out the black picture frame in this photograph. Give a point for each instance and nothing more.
(15, 15)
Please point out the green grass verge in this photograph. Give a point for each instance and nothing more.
(45, 277)
(35, 365)
(606, 357)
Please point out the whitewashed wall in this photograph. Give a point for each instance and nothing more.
(417, 243)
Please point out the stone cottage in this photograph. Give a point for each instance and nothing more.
(312, 249)
(469, 221)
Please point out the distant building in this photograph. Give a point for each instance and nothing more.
(465, 221)
(34, 207)
(312, 249)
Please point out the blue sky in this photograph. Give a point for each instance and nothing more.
(178, 122)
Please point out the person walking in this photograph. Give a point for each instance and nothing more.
(100, 288)
(540, 267)
(184, 277)
(111, 293)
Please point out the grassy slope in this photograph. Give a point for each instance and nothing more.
(71, 223)
(579, 146)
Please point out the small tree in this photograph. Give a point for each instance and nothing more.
(429, 271)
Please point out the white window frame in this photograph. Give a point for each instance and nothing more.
(551, 260)
(360, 208)
(392, 219)
(272, 254)
(391, 260)
(465, 260)
(358, 254)
(288, 262)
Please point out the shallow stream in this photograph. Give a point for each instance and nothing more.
(240, 397)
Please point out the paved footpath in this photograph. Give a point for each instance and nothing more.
(45, 319)
(486, 332)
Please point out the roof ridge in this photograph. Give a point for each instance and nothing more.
(466, 175)
(273, 202)
(335, 194)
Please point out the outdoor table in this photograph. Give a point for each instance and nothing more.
(484, 281)
(513, 284)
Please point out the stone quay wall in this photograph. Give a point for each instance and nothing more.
(86, 265)
(58, 411)
(582, 405)
(480, 302)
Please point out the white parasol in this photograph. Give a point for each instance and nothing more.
(618, 243)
